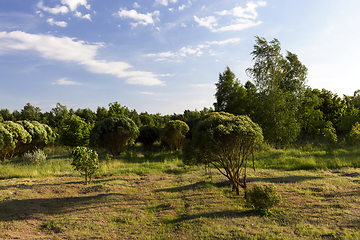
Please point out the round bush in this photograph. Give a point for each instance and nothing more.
(263, 197)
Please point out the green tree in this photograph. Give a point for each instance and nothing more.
(148, 135)
(311, 118)
(75, 131)
(86, 162)
(19, 138)
(226, 142)
(230, 94)
(174, 133)
(114, 134)
(41, 136)
(332, 106)
(87, 114)
(281, 83)
(57, 115)
(101, 114)
(6, 115)
(30, 113)
(7, 143)
(115, 109)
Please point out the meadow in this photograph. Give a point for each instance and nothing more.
(143, 195)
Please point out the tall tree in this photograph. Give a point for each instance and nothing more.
(281, 83)
(230, 94)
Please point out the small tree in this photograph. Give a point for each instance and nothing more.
(85, 161)
(174, 134)
(114, 134)
(226, 142)
(354, 136)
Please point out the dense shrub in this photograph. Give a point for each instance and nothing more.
(148, 135)
(75, 131)
(263, 197)
(354, 136)
(114, 134)
(174, 133)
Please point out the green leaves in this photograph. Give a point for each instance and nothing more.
(85, 161)
(225, 141)
(173, 134)
(114, 134)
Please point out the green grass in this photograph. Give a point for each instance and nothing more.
(134, 197)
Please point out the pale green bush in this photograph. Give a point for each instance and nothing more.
(34, 158)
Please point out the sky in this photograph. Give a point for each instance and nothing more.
(164, 56)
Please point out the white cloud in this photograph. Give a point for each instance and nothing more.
(244, 18)
(57, 23)
(183, 25)
(182, 7)
(208, 22)
(79, 15)
(56, 10)
(148, 93)
(73, 4)
(142, 19)
(69, 50)
(64, 81)
(136, 5)
(164, 2)
(190, 51)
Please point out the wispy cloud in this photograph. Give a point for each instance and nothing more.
(190, 51)
(57, 23)
(65, 81)
(140, 18)
(164, 2)
(244, 18)
(69, 50)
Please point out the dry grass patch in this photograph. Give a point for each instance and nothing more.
(316, 205)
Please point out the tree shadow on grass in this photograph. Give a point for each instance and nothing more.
(28, 208)
(221, 214)
(286, 179)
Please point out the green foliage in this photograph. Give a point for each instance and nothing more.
(263, 198)
(174, 133)
(348, 120)
(85, 161)
(281, 83)
(148, 135)
(331, 105)
(114, 134)
(75, 131)
(329, 133)
(354, 136)
(23, 136)
(226, 142)
(34, 158)
(20, 137)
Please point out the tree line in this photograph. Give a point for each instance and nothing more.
(277, 98)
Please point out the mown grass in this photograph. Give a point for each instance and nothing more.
(135, 197)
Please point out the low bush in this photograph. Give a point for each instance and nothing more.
(34, 158)
(263, 198)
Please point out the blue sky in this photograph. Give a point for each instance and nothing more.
(163, 56)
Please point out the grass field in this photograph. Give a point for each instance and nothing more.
(160, 198)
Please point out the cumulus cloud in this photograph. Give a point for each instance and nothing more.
(190, 51)
(57, 23)
(80, 15)
(244, 18)
(136, 5)
(56, 10)
(69, 50)
(64, 81)
(73, 4)
(142, 19)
